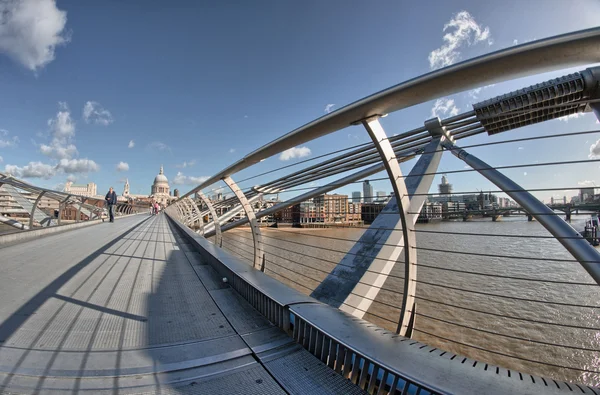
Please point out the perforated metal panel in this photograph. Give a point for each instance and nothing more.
(551, 99)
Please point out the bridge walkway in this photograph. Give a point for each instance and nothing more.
(129, 307)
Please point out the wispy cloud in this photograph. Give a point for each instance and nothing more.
(77, 165)
(521, 148)
(159, 146)
(30, 31)
(566, 118)
(58, 151)
(328, 108)
(94, 112)
(31, 170)
(474, 93)
(460, 31)
(60, 148)
(444, 108)
(586, 183)
(296, 152)
(186, 164)
(123, 166)
(6, 141)
(595, 150)
(1, 159)
(131, 144)
(71, 178)
(62, 130)
(182, 179)
(231, 150)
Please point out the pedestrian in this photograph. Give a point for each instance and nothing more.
(111, 200)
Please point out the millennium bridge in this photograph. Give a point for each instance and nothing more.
(194, 300)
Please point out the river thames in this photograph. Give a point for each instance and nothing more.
(477, 296)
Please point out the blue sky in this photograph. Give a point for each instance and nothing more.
(101, 91)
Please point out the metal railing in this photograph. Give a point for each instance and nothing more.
(534, 312)
(69, 207)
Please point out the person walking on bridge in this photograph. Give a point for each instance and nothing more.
(111, 200)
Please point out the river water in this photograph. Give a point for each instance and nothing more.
(482, 316)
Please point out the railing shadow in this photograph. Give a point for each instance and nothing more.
(16, 320)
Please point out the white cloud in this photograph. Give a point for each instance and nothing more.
(296, 152)
(474, 93)
(57, 151)
(31, 170)
(159, 146)
(231, 150)
(94, 112)
(30, 31)
(1, 159)
(77, 165)
(524, 173)
(595, 150)
(123, 166)
(515, 42)
(571, 116)
(187, 164)
(181, 179)
(71, 178)
(521, 148)
(61, 148)
(131, 144)
(444, 107)
(62, 130)
(8, 142)
(586, 183)
(62, 127)
(328, 108)
(463, 30)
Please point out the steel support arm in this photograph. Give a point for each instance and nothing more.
(215, 217)
(187, 212)
(195, 212)
(224, 219)
(359, 175)
(581, 250)
(79, 210)
(179, 212)
(256, 234)
(392, 167)
(37, 201)
(61, 207)
(366, 267)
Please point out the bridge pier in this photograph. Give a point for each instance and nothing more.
(530, 217)
(568, 214)
(495, 215)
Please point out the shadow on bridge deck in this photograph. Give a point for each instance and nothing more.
(142, 313)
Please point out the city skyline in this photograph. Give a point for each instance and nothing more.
(70, 114)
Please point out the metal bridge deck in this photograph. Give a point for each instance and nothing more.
(129, 307)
